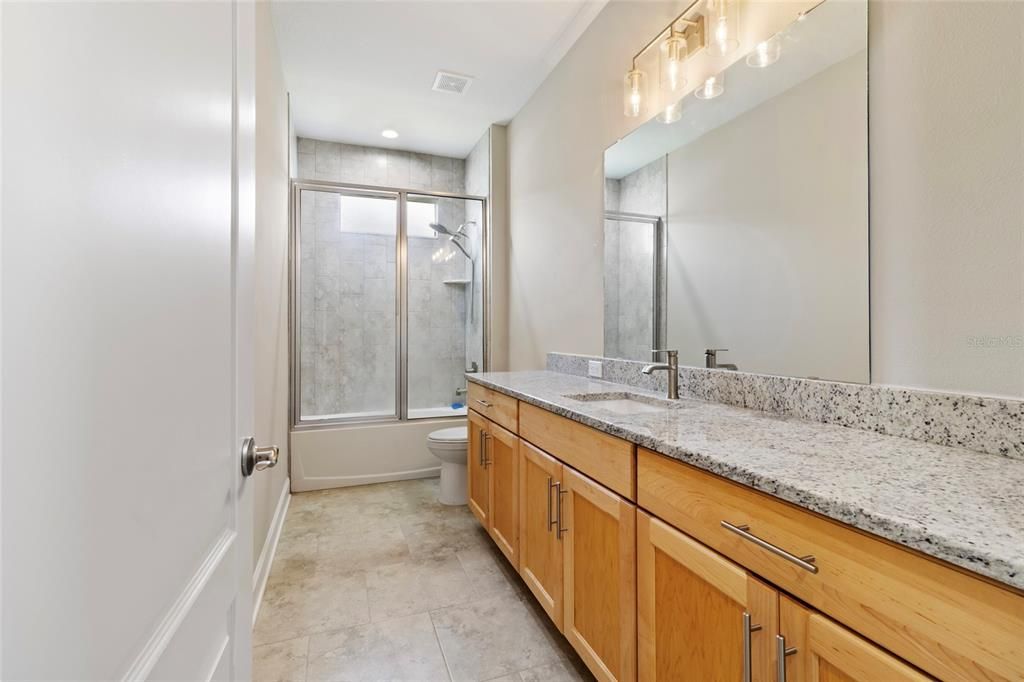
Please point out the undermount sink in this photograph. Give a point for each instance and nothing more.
(622, 402)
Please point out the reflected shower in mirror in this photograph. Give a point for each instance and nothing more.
(634, 251)
(762, 197)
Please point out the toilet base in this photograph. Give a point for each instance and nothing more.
(452, 490)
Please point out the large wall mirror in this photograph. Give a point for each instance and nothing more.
(743, 225)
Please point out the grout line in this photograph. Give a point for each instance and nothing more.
(305, 672)
(437, 638)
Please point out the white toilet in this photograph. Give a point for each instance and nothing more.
(449, 446)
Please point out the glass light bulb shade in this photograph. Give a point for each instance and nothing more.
(765, 53)
(673, 63)
(712, 87)
(672, 113)
(722, 23)
(634, 93)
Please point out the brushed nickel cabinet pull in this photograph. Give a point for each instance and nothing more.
(488, 455)
(551, 515)
(483, 435)
(483, 402)
(558, 512)
(781, 651)
(748, 629)
(804, 562)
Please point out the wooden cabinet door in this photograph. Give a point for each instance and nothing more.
(820, 650)
(502, 458)
(598, 530)
(691, 607)
(477, 479)
(540, 550)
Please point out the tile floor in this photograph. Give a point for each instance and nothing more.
(382, 582)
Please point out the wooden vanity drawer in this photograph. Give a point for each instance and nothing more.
(608, 460)
(498, 407)
(949, 623)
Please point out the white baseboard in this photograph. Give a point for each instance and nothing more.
(262, 572)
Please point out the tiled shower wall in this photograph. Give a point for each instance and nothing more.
(629, 262)
(347, 299)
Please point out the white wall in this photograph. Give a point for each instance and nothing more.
(272, 275)
(947, 195)
(738, 270)
(946, 179)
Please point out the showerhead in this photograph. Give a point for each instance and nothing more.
(453, 237)
(457, 243)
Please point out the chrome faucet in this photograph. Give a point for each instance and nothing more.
(711, 359)
(672, 367)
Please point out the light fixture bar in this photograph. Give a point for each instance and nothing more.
(697, 23)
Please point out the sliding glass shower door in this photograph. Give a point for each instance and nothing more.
(348, 346)
(387, 303)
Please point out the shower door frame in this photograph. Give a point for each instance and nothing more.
(659, 286)
(401, 195)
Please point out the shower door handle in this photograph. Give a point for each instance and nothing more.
(257, 459)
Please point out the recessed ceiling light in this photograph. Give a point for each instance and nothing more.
(389, 133)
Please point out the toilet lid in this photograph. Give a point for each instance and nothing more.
(456, 434)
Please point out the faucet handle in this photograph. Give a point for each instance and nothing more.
(712, 351)
(669, 351)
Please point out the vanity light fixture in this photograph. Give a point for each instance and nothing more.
(672, 70)
(635, 93)
(673, 63)
(723, 27)
(765, 53)
(712, 87)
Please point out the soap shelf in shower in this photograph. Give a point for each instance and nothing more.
(456, 281)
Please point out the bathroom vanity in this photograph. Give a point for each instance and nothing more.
(693, 540)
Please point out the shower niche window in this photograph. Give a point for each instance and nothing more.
(387, 305)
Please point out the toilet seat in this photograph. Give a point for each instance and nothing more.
(453, 435)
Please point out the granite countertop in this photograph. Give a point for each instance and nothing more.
(954, 504)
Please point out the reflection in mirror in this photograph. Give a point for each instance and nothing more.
(761, 195)
(634, 252)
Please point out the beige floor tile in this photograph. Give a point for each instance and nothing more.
(303, 598)
(401, 649)
(365, 548)
(343, 509)
(417, 587)
(280, 662)
(494, 637)
(388, 550)
(562, 671)
(433, 536)
(490, 573)
(296, 546)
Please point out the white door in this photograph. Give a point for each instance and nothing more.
(127, 241)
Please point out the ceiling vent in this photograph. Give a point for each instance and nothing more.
(456, 83)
